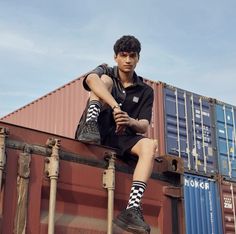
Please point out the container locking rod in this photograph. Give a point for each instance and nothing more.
(52, 171)
(3, 135)
(109, 184)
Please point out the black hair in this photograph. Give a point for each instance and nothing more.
(127, 43)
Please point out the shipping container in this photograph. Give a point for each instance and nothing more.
(189, 130)
(228, 204)
(181, 121)
(57, 112)
(226, 139)
(202, 205)
(81, 204)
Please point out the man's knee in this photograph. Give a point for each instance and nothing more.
(107, 81)
(147, 147)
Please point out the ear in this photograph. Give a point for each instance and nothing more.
(115, 57)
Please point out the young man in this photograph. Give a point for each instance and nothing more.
(118, 112)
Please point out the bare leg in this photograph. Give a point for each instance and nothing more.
(145, 149)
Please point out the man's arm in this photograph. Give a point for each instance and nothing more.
(123, 119)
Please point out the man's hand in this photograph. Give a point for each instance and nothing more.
(122, 120)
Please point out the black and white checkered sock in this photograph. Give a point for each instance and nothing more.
(137, 190)
(93, 111)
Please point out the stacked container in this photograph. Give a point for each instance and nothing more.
(186, 124)
(189, 130)
(198, 129)
(226, 135)
(202, 205)
(226, 144)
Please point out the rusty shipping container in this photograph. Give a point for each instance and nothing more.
(228, 204)
(182, 121)
(82, 196)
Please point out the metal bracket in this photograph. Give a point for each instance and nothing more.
(24, 160)
(170, 164)
(24, 165)
(108, 180)
(3, 135)
(172, 191)
(52, 162)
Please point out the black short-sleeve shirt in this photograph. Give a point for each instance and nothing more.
(136, 100)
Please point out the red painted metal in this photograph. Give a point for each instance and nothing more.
(81, 205)
(228, 204)
(59, 111)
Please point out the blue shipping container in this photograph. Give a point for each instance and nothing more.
(189, 130)
(226, 139)
(202, 205)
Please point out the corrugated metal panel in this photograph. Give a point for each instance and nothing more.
(228, 203)
(57, 112)
(226, 139)
(81, 205)
(202, 205)
(156, 129)
(189, 130)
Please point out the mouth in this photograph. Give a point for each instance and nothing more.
(128, 66)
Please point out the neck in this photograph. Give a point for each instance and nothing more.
(126, 76)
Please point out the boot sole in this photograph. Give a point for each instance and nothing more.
(89, 141)
(124, 226)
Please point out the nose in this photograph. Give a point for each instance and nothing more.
(127, 59)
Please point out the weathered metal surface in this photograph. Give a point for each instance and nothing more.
(22, 192)
(109, 183)
(52, 171)
(81, 205)
(228, 205)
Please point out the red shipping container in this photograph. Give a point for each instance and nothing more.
(228, 204)
(81, 201)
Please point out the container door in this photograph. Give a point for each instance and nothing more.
(202, 205)
(176, 117)
(189, 130)
(226, 138)
(228, 203)
(202, 137)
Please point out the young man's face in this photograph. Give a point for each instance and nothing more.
(127, 61)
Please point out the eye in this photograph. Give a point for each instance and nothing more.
(123, 54)
(133, 55)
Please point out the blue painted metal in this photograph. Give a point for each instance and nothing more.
(202, 205)
(226, 139)
(189, 130)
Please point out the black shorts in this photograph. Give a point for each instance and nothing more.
(123, 143)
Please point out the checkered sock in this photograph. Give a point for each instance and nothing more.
(137, 190)
(93, 111)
